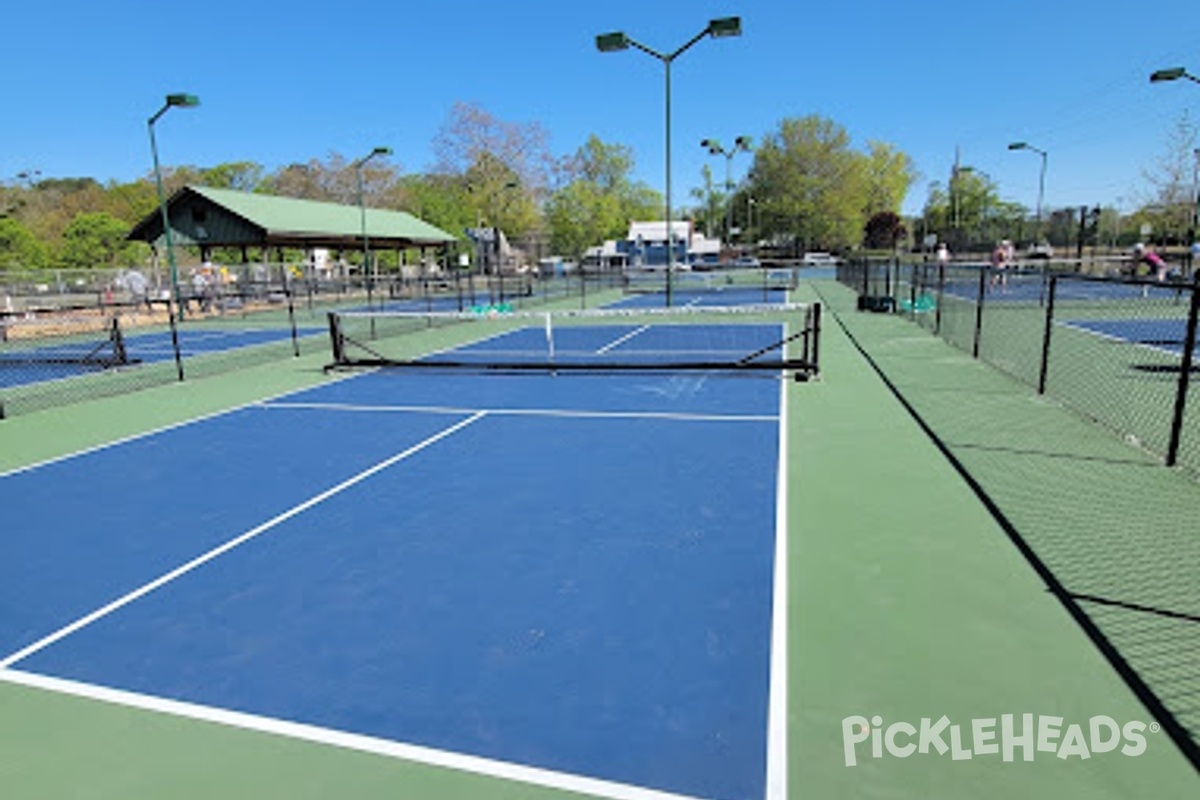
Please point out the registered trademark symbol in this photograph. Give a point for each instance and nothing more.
(1155, 727)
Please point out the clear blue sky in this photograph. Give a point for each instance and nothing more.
(283, 82)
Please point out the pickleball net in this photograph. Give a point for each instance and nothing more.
(782, 337)
(86, 341)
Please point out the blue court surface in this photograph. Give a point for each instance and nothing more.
(622, 344)
(1167, 335)
(145, 348)
(568, 576)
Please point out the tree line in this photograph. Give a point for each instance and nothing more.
(808, 186)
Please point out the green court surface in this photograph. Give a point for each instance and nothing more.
(909, 600)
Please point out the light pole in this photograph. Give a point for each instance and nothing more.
(611, 42)
(955, 198)
(740, 145)
(750, 204)
(362, 214)
(1172, 74)
(1041, 181)
(183, 101)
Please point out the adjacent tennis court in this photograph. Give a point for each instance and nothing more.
(1164, 335)
(570, 581)
(27, 362)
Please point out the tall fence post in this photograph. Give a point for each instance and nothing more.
(912, 292)
(1185, 375)
(1042, 369)
(941, 288)
(983, 276)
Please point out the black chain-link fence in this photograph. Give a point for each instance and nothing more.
(1121, 351)
(54, 353)
(1112, 532)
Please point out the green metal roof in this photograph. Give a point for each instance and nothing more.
(290, 221)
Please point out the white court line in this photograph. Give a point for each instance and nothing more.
(524, 412)
(777, 717)
(350, 741)
(172, 426)
(179, 571)
(622, 340)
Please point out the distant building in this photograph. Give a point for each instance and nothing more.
(645, 246)
(704, 253)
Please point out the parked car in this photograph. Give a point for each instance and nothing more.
(817, 259)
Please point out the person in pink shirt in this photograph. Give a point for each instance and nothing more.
(1148, 256)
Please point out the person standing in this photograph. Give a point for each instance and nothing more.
(1001, 259)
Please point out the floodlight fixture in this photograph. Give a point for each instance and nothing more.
(1170, 74)
(612, 42)
(725, 27)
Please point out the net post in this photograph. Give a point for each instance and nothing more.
(287, 290)
(337, 339)
(118, 341)
(983, 276)
(1185, 374)
(816, 338)
(1049, 326)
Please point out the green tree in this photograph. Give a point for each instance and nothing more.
(96, 240)
(580, 215)
(810, 185)
(964, 210)
(889, 174)
(597, 198)
(19, 248)
(440, 200)
(130, 202)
